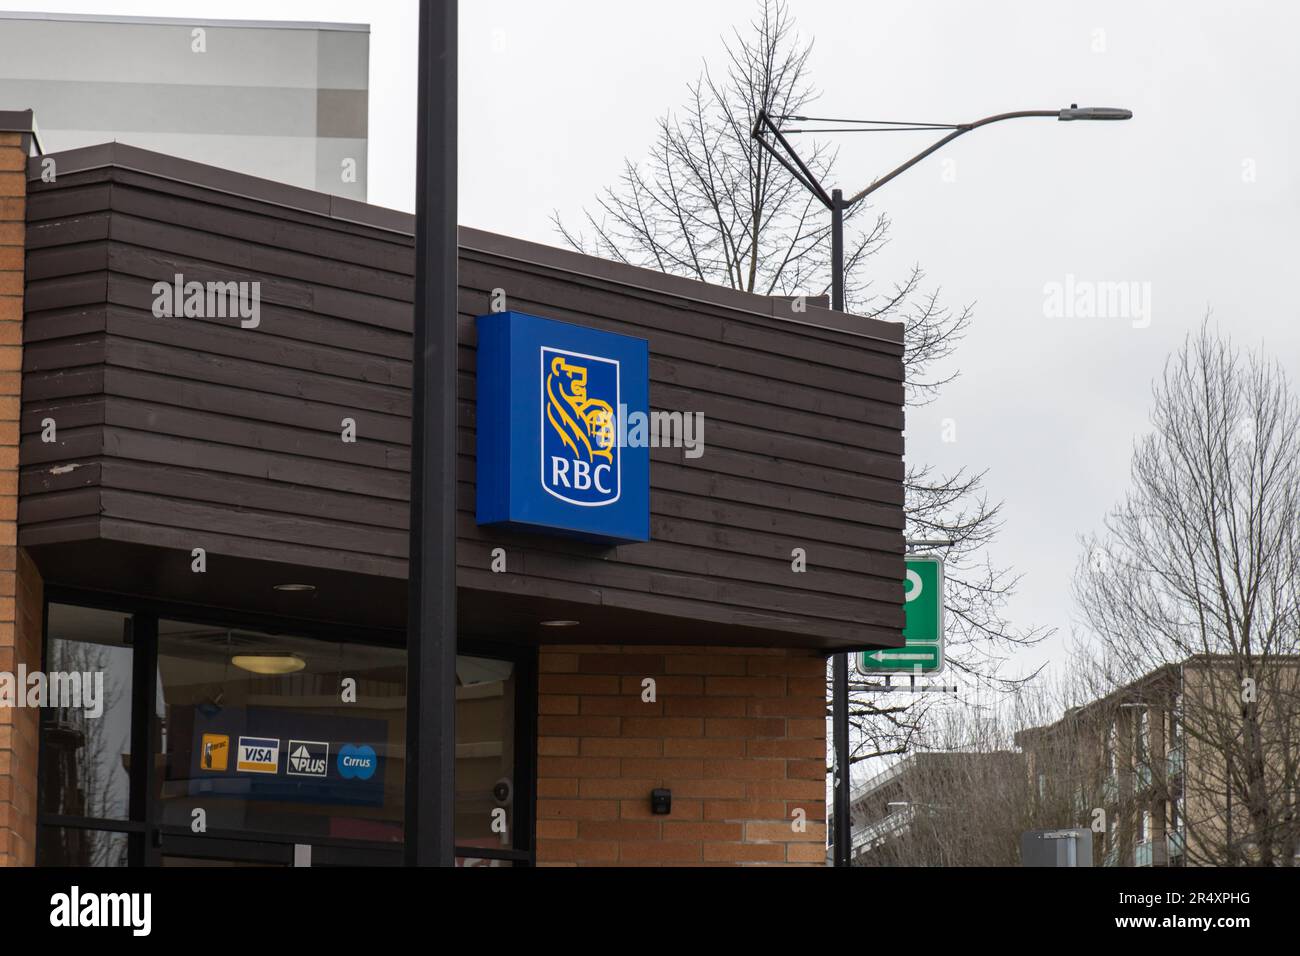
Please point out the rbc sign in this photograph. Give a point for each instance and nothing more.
(553, 402)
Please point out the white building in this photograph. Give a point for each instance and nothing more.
(283, 101)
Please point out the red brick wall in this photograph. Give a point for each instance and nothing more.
(20, 584)
(737, 734)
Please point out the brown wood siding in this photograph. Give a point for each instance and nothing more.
(190, 432)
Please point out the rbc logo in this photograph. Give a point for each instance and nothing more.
(581, 457)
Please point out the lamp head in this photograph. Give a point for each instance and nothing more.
(1076, 112)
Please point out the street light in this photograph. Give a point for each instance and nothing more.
(835, 202)
(1095, 113)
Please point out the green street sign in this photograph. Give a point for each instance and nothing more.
(922, 652)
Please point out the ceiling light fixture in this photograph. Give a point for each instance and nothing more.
(269, 664)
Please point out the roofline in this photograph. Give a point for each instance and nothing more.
(21, 121)
(1117, 696)
(1110, 701)
(912, 761)
(186, 21)
(122, 156)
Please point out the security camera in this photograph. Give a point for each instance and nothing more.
(502, 790)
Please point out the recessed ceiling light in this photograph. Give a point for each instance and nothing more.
(559, 623)
(269, 663)
(296, 588)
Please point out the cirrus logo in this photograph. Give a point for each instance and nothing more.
(357, 762)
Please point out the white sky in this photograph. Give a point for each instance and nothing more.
(555, 94)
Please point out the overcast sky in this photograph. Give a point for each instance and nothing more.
(1195, 200)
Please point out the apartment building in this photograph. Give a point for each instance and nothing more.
(1195, 763)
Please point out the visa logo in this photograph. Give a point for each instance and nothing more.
(258, 755)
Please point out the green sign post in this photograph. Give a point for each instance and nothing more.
(922, 651)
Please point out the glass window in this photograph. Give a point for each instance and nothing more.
(276, 734)
(267, 738)
(86, 756)
(485, 753)
(71, 846)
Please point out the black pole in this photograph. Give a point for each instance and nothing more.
(843, 836)
(143, 848)
(431, 624)
(837, 250)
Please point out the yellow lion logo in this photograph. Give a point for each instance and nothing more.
(584, 424)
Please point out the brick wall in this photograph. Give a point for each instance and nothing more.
(20, 584)
(737, 734)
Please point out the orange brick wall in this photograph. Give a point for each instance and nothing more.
(20, 584)
(737, 734)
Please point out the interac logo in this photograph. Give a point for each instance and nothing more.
(580, 448)
(215, 753)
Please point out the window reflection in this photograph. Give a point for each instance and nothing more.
(69, 846)
(86, 760)
(279, 734)
(269, 735)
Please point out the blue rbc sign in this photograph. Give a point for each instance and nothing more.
(553, 402)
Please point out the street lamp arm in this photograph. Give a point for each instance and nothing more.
(803, 174)
(959, 131)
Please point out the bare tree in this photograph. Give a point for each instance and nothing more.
(710, 205)
(961, 798)
(83, 765)
(1197, 568)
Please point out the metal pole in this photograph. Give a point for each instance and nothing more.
(1227, 822)
(837, 250)
(843, 836)
(431, 624)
